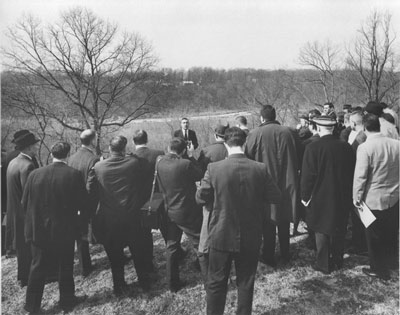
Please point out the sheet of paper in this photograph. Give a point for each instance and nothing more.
(365, 214)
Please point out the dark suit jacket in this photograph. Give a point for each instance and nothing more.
(177, 181)
(191, 137)
(239, 189)
(213, 153)
(121, 184)
(17, 175)
(327, 176)
(150, 155)
(83, 160)
(52, 197)
(344, 134)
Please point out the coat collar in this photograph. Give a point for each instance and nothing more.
(270, 122)
(237, 156)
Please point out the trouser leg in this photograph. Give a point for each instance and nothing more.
(358, 233)
(24, 258)
(203, 261)
(269, 239)
(217, 281)
(284, 239)
(148, 249)
(65, 253)
(85, 262)
(137, 247)
(323, 250)
(246, 267)
(337, 247)
(115, 253)
(37, 276)
(174, 234)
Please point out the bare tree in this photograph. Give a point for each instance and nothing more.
(99, 77)
(325, 58)
(373, 58)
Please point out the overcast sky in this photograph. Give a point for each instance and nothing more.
(221, 34)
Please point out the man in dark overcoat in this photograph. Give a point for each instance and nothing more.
(278, 148)
(121, 184)
(83, 160)
(238, 189)
(17, 174)
(326, 187)
(177, 181)
(52, 197)
(140, 140)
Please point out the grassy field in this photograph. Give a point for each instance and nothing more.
(292, 289)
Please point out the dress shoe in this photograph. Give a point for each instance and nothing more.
(69, 306)
(269, 262)
(22, 283)
(317, 268)
(175, 288)
(371, 273)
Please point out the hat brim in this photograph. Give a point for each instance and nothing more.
(21, 147)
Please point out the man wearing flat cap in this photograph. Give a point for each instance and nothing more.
(17, 174)
(83, 160)
(326, 190)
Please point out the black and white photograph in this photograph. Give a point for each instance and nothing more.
(200, 157)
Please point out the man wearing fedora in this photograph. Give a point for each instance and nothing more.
(326, 191)
(17, 175)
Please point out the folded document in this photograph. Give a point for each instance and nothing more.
(365, 214)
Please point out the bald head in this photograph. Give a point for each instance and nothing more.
(87, 136)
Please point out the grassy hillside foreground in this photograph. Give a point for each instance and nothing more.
(292, 289)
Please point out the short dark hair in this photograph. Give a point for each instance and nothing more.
(330, 104)
(371, 123)
(118, 143)
(60, 150)
(140, 137)
(268, 112)
(87, 136)
(235, 137)
(314, 113)
(242, 120)
(177, 145)
(312, 124)
(184, 118)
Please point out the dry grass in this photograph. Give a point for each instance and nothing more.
(292, 289)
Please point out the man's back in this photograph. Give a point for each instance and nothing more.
(149, 154)
(213, 153)
(121, 183)
(52, 197)
(276, 146)
(377, 172)
(241, 188)
(327, 174)
(83, 160)
(176, 180)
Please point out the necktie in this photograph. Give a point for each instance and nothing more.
(186, 135)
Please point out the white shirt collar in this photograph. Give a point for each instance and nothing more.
(28, 156)
(138, 146)
(55, 160)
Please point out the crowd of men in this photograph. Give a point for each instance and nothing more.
(231, 202)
